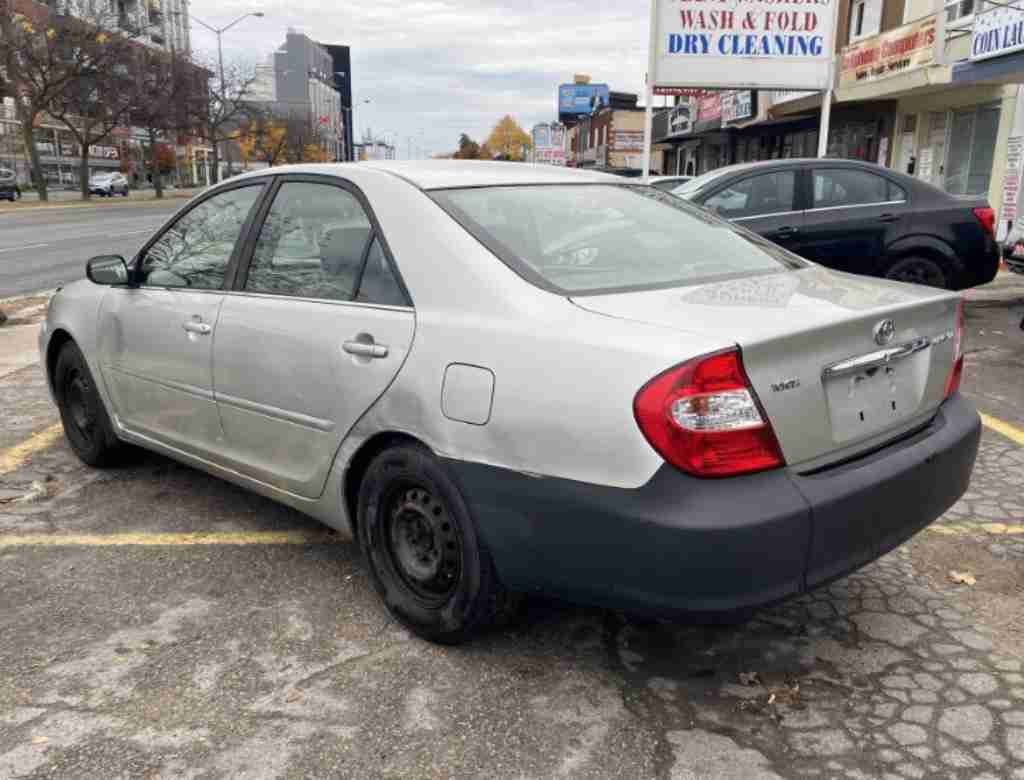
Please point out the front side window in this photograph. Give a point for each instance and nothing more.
(847, 187)
(768, 193)
(195, 251)
(312, 243)
(575, 239)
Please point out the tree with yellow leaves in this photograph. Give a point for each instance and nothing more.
(508, 140)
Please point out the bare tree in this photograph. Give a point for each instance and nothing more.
(225, 109)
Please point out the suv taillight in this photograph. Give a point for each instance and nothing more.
(703, 417)
(957, 370)
(987, 217)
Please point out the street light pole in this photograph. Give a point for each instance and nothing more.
(219, 31)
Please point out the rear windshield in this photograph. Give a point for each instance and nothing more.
(600, 238)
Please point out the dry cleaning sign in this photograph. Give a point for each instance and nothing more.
(742, 43)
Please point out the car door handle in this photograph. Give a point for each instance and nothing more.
(197, 327)
(365, 349)
(785, 232)
(888, 218)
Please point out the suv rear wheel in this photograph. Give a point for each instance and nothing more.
(918, 269)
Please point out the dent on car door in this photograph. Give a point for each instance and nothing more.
(314, 332)
(764, 203)
(156, 339)
(853, 215)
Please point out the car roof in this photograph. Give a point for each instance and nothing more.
(445, 174)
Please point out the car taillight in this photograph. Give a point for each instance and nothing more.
(703, 417)
(957, 370)
(987, 217)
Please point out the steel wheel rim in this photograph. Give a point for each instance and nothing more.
(75, 400)
(423, 543)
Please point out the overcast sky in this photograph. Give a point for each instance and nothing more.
(435, 68)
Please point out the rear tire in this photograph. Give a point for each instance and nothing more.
(87, 426)
(917, 269)
(423, 550)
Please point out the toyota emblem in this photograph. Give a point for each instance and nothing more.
(884, 332)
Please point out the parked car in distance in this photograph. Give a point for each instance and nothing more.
(109, 184)
(509, 379)
(1013, 251)
(668, 183)
(9, 189)
(857, 217)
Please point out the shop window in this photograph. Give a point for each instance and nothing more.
(972, 142)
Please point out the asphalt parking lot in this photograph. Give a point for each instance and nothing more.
(159, 623)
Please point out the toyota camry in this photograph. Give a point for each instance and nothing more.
(511, 379)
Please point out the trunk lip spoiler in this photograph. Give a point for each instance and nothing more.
(882, 357)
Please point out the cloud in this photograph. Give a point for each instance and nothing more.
(433, 69)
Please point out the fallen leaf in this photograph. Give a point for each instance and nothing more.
(963, 577)
(40, 740)
(749, 678)
(293, 696)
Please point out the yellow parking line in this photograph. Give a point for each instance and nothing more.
(964, 529)
(1011, 432)
(237, 538)
(13, 457)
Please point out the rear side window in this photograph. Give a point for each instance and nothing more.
(896, 192)
(575, 239)
(767, 193)
(312, 243)
(848, 187)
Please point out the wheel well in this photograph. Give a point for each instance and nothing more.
(360, 462)
(57, 342)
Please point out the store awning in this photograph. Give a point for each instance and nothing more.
(1000, 70)
(919, 81)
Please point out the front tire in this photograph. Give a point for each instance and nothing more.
(425, 555)
(87, 426)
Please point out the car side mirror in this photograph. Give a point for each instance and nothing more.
(107, 269)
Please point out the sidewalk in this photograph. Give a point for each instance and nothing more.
(19, 347)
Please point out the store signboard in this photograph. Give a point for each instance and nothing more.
(680, 120)
(628, 141)
(788, 95)
(774, 44)
(891, 53)
(737, 105)
(998, 31)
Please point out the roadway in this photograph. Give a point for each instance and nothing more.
(43, 248)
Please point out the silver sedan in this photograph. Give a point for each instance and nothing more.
(506, 379)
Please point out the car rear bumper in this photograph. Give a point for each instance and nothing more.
(685, 545)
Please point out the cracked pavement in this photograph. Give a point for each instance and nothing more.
(265, 661)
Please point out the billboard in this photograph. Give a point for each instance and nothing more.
(576, 98)
(780, 44)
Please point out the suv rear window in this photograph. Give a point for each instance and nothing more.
(599, 238)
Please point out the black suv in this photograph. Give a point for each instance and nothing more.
(857, 217)
(9, 189)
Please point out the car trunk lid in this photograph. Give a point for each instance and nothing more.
(808, 338)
